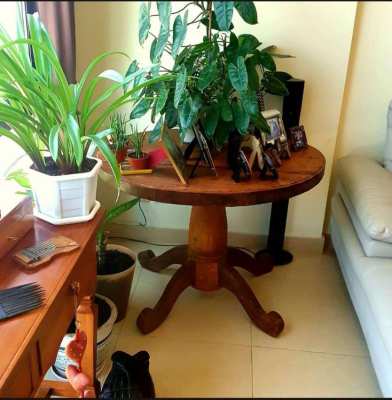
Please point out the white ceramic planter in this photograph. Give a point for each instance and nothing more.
(104, 344)
(65, 199)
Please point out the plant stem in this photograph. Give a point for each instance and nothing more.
(176, 12)
(209, 11)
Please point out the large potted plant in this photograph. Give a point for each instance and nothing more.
(115, 263)
(55, 122)
(219, 80)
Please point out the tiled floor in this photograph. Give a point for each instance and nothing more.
(208, 347)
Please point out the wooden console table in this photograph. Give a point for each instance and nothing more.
(207, 263)
(30, 341)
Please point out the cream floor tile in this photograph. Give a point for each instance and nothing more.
(194, 369)
(312, 299)
(287, 373)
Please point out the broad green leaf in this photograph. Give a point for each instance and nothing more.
(211, 120)
(141, 108)
(238, 75)
(155, 134)
(54, 142)
(253, 76)
(274, 85)
(266, 60)
(144, 21)
(231, 50)
(260, 122)
(153, 49)
(20, 177)
(73, 132)
(171, 114)
(186, 113)
(224, 14)
(282, 76)
(180, 86)
(162, 97)
(269, 50)
(207, 75)
(241, 117)
(133, 67)
(179, 33)
(112, 75)
(214, 23)
(250, 102)
(160, 44)
(225, 109)
(164, 10)
(222, 132)
(247, 44)
(247, 11)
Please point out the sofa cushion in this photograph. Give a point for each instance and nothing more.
(369, 187)
(388, 143)
(371, 247)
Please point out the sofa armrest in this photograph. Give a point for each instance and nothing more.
(369, 188)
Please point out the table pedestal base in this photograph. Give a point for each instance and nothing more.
(208, 264)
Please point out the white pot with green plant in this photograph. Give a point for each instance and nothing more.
(57, 123)
(115, 263)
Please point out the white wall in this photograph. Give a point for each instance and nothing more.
(319, 34)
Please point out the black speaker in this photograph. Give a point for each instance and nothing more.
(292, 103)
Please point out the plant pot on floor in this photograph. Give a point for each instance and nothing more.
(107, 314)
(139, 163)
(117, 282)
(66, 199)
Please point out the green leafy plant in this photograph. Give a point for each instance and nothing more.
(137, 138)
(102, 231)
(218, 81)
(119, 135)
(20, 177)
(54, 121)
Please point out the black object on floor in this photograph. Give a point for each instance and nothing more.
(20, 299)
(129, 377)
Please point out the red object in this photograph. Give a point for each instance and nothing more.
(156, 157)
(120, 155)
(78, 380)
(76, 347)
(139, 163)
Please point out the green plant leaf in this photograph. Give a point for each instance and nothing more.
(74, 135)
(274, 85)
(53, 142)
(247, 11)
(253, 76)
(241, 117)
(225, 110)
(282, 76)
(260, 122)
(155, 134)
(160, 44)
(186, 113)
(179, 32)
(224, 14)
(153, 49)
(164, 10)
(141, 108)
(180, 86)
(250, 102)
(211, 120)
(214, 23)
(133, 67)
(144, 21)
(171, 114)
(162, 97)
(20, 177)
(266, 60)
(112, 75)
(238, 75)
(247, 44)
(207, 75)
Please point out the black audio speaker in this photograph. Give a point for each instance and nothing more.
(292, 103)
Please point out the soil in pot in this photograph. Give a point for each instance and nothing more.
(52, 169)
(115, 262)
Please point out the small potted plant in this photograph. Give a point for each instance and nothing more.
(137, 158)
(119, 136)
(115, 263)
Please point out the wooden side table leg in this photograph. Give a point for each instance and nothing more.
(270, 323)
(240, 258)
(87, 317)
(176, 255)
(276, 234)
(150, 318)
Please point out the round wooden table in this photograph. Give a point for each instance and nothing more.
(207, 263)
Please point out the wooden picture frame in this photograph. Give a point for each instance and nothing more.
(298, 138)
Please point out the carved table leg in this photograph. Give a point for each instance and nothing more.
(271, 323)
(176, 255)
(240, 258)
(150, 318)
(276, 234)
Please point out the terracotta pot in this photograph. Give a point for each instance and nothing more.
(121, 154)
(117, 287)
(139, 163)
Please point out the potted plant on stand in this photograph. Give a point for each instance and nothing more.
(115, 263)
(119, 136)
(137, 158)
(55, 123)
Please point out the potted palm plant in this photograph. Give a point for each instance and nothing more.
(137, 158)
(119, 136)
(55, 123)
(115, 263)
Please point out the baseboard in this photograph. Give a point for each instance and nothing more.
(172, 237)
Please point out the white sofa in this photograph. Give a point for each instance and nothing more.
(361, 233)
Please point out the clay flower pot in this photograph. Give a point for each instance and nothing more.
(139, 163)
(121, 154)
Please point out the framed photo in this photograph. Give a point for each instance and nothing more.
(298, 138)
(175, 156)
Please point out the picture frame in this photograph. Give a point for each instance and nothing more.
(298, 138)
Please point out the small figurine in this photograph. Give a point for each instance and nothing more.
(269, 171)
(236, 158)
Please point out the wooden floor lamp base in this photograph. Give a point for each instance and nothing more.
(208, 264)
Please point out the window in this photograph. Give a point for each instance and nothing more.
(11, 156)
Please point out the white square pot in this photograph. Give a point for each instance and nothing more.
(65, 199)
